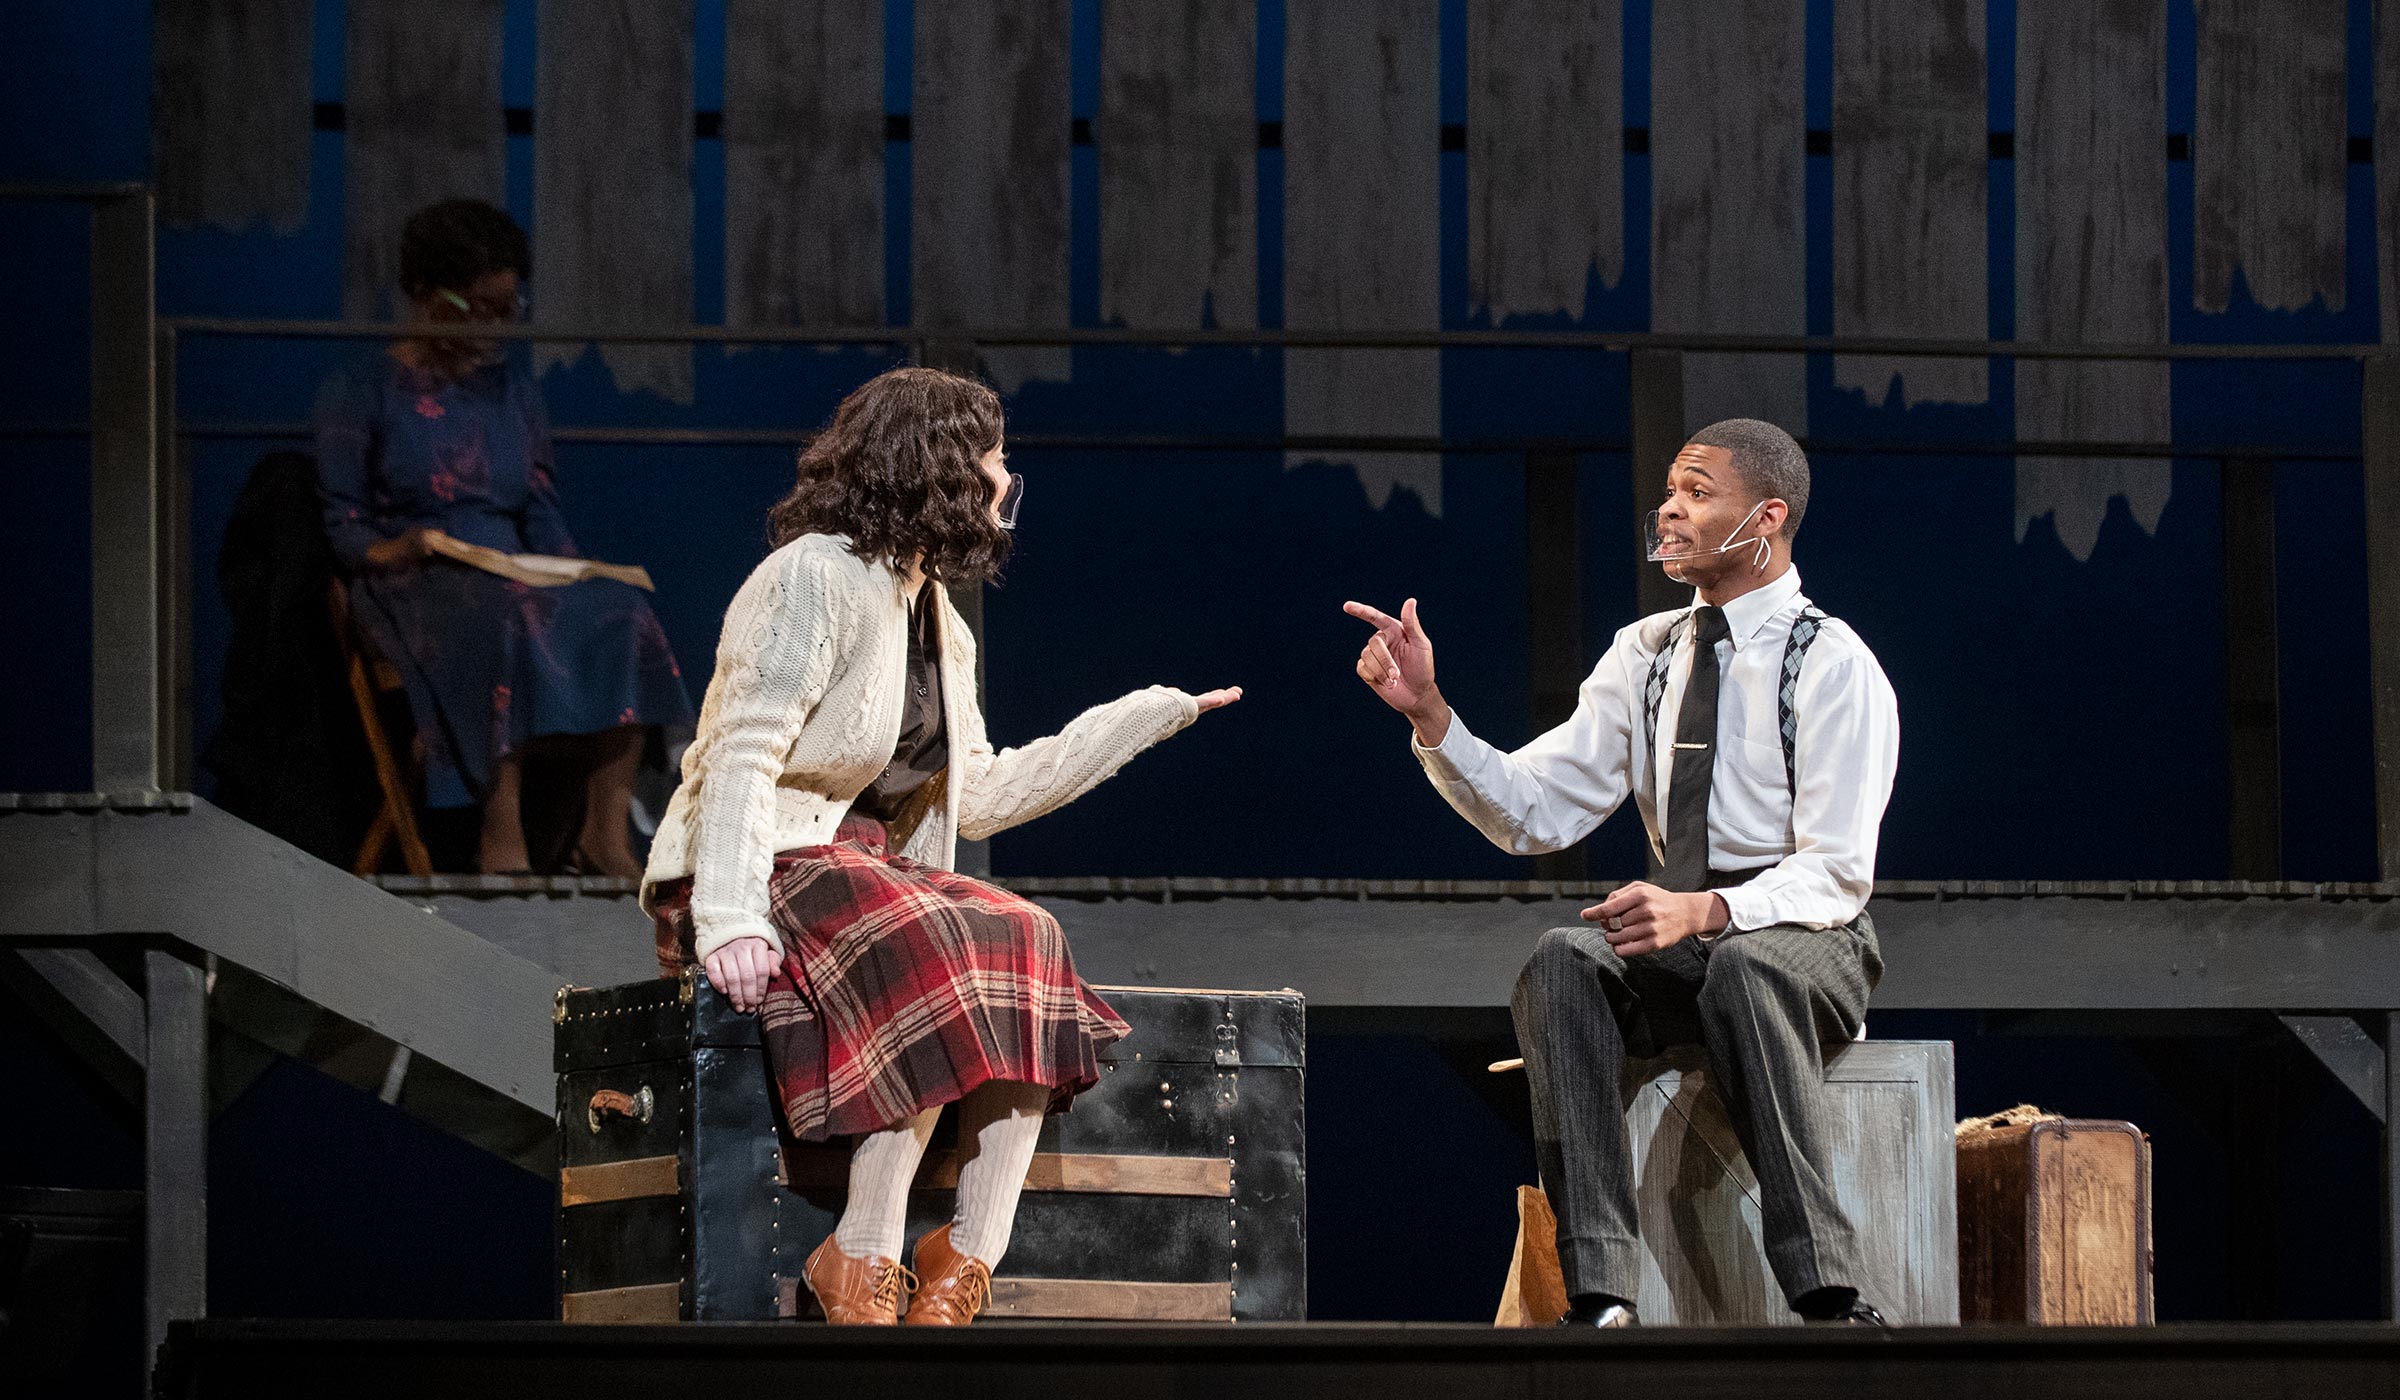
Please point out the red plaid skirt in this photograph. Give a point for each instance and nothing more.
(904, 987)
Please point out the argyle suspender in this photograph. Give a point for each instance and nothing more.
(1795, 651)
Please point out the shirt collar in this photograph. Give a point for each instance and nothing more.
(1745, 615)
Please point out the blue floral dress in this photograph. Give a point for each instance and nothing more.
(489, 663)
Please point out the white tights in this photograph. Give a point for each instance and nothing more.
(997, 1126)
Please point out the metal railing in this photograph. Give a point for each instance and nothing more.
(141, 663)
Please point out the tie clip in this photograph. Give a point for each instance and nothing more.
(1681, 745)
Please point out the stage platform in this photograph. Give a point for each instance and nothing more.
(258, 1360)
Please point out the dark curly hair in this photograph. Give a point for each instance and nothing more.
(446, 246)
(898, 470)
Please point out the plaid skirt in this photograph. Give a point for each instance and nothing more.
(904, 987)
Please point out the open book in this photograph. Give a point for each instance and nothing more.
(539, 570)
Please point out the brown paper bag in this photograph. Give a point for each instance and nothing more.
(1536, 1292)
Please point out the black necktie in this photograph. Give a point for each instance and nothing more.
(1695, 755)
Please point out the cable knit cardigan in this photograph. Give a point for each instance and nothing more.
(804, 710)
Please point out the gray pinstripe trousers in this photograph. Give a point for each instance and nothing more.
(1767, 1006)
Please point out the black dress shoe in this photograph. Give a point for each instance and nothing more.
(1856, 1315)
(1600, 1315)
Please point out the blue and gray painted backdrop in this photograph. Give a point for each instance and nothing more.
(2054, 631)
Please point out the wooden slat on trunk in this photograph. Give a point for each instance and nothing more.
(1106, 1300)
(647, 1302)
(1092, 1300)
(618, 1181)
(817, 1169)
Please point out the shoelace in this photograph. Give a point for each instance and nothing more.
(889, 1281)
(975, 1288)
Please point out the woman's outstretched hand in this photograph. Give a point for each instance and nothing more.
(1218, 699)
(740, 970)
(1397, 664)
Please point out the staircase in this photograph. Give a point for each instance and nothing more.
(134, 926)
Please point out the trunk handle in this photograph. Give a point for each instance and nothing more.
(636, 1106)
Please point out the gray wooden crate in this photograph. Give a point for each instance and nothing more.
(1894, 1168)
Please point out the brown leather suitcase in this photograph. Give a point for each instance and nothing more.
(2054, 1223)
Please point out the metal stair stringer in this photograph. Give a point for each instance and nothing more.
(307, 959)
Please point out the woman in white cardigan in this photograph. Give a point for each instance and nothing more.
(805, 861)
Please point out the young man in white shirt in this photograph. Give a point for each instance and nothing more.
(1758, 739)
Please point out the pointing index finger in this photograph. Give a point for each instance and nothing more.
(1382, 621)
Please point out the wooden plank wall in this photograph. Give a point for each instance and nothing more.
(1728, 221)
(1362, 231)
(612, 182)
(804, 139)
(230, 112)
(2091, 256)
(422, 122)
(988, 175)
(805, 147)
(1545, 154)
(2387, 164)
(2269, 153)
(1178, 148)
(1910, 146)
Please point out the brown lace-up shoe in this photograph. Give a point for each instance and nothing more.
(855, 1292)
(955, 1286)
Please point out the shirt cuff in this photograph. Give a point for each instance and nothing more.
(1756, 905)
(1442, 760)
(1752, 908)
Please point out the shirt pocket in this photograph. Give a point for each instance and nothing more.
(1762, 764)
(1753, 818)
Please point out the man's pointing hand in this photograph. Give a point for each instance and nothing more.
(1397, 664)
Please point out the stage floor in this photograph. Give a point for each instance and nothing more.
(522, 1361)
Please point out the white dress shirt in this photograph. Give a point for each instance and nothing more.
(1820, 841)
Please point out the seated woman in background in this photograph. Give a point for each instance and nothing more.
(450, 435)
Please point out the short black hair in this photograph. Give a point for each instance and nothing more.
(1767, 460)
(447, 246)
